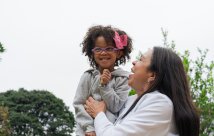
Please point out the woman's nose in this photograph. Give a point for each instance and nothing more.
(134, 62)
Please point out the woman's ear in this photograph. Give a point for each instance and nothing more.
(152, 77)
(119, 54)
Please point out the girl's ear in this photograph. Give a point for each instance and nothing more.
(119, 54)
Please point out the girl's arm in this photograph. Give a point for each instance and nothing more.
(82, 93)
(117, 96)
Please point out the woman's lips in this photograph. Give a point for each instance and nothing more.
(130, 76)
(132, 70)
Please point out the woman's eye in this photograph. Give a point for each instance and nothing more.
(139, 56)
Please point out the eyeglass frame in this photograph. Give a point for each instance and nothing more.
(104, 49)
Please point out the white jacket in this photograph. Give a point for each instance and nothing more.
(152, 116)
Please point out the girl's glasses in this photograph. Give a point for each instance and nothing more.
(107, 49)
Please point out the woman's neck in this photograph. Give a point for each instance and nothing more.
(142, 90)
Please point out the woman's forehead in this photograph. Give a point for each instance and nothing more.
(148, 53)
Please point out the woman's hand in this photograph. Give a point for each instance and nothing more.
(94, 107)
(90, 133)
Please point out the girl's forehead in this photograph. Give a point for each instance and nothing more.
(104, 46)
(101, 41)
(99, 38)
(106, 38)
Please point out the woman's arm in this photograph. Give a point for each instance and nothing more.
(152, 117)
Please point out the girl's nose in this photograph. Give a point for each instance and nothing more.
(103, 52)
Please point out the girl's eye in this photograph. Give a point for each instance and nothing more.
(109, 49)
(97, 49)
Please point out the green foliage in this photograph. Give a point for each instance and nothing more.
(37, 113)
(4, 122)
(1, 48)
(201, 78)
(132, 92)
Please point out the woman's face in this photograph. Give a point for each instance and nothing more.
(139, 79)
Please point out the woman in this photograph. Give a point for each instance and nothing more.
(162, 106)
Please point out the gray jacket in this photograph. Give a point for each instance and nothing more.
(115, 94)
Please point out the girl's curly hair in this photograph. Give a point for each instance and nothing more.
(108, 33)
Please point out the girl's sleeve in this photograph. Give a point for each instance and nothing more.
(82, 93)
(151, 119)
(115, 97)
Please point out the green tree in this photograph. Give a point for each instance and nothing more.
(37, 113)
(201, 78)
(4, 122)
(1, 48)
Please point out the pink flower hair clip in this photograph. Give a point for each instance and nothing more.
(120, 40)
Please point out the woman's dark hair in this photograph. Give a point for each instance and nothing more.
(108, 33)
(171, 80)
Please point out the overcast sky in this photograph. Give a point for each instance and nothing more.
(42, 37)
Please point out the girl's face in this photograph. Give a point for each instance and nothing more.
(139, 79)
(105, 54)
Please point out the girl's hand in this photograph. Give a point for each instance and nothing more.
(105, 77)
(90, 133)
(93, 107)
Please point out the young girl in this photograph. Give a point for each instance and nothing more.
(106, 47)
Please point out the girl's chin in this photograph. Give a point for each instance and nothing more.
(105, 67)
